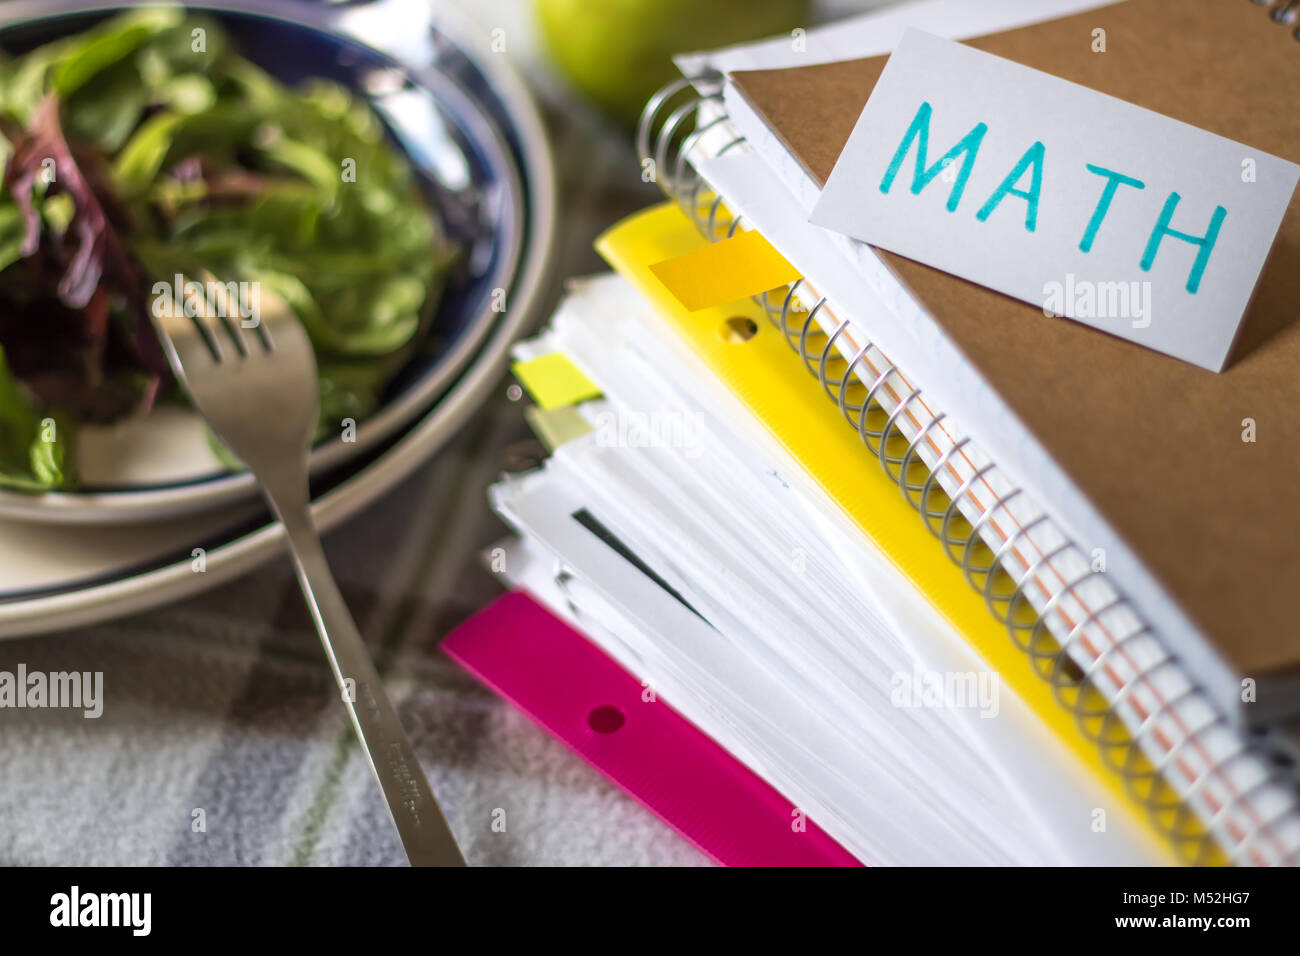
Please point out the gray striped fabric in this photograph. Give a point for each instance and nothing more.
(224, 705)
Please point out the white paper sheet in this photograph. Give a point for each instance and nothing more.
(878, 31)
(610, 333)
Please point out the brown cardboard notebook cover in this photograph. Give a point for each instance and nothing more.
(1153, 442)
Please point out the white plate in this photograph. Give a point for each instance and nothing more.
(55, 577)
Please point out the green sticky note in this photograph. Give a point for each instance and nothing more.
(558, 426)
(554, 381)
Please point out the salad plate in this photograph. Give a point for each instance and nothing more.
(59, 576)
(452, 112)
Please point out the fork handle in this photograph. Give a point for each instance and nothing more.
(423, 830)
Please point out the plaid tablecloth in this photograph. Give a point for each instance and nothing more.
(220, 711)
(224, 705)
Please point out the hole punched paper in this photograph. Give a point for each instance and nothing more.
(1071, 200)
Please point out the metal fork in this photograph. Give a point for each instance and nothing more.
(252, 376)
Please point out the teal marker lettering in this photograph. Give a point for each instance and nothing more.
(1033, 157)
(1205, 242)
(1113, 181)
(919, 131)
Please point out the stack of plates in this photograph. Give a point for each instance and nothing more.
(155, 505)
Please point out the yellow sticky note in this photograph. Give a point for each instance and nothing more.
(735, 268)
(554, 381)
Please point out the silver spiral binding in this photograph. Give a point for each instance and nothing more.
(1074, 686)
(1286, 13)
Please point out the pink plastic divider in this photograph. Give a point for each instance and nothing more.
(574, 690)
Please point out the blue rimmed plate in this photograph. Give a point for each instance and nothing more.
(450, 109)
(56, 577)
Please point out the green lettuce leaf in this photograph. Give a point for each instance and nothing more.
(34, 445)
(210, 166)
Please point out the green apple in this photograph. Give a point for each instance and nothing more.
(618, 52)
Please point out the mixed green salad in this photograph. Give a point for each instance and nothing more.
(146, 149)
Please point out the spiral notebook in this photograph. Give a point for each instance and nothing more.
(1227, 531)
(1229, 783)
